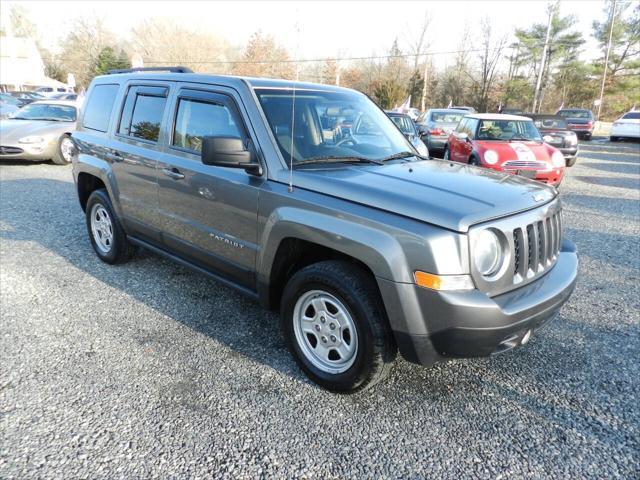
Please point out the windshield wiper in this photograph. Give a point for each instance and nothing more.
(337, 159)
(405, 154)
(521, 139)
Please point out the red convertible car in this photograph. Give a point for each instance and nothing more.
(508, 143)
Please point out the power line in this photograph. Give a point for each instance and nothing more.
(324, 59)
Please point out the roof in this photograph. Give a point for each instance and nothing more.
(252, 82)
(498, 116)
(391, 113)
(69, 103)
(448, 110)
(543, 116)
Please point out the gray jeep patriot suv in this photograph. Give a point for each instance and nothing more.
(309, 199)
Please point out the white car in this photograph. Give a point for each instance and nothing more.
(627, 126)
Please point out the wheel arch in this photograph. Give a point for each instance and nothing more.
(297, 241)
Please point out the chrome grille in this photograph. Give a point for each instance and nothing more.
(528, 164)
(532, 241)
(536, 247)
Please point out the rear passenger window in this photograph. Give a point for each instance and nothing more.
(142, 112)
(97, 110)
(196, 119)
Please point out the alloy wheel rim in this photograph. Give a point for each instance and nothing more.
(102, 228)
(66, 147)
(325, 331)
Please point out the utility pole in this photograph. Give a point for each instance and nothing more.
(423, 101)
(606, 57)
(536, 94)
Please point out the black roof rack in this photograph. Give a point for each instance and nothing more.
(151, 69)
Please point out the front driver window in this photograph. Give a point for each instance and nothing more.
(196, 119)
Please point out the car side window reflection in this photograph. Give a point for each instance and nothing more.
(142, 112)
(196, 119)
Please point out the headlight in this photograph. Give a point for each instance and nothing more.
(31, 139)
(490, 157)
(557, 159)
(487, 253)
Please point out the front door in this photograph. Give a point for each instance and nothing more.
(208, 213)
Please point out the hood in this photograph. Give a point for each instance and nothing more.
(13, 130)
(524, 151)
(447, 194)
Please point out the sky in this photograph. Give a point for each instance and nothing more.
(315, 29)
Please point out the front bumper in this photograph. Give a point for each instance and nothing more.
(581, 130)
(438, 325)
(29, 151)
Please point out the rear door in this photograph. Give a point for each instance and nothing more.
(135, 149)
(208, 213)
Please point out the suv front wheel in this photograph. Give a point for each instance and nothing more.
(107, 236)
(336, 327)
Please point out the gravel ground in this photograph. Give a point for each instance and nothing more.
(150, 370)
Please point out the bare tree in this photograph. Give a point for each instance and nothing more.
(490, 53)
(263, 57)
(162, 41)
(418, 44)
(82, 46)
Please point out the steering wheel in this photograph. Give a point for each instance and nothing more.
(351, 140)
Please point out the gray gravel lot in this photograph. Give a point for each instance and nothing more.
(150, 370)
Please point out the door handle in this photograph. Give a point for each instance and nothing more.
(115, 156)
(173, 173)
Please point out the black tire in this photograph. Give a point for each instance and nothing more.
(59, 158)
(357, 291)
(120, 249)
(587, 137)
(571, 161)
(473, 160)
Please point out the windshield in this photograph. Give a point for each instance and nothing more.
(47, 111)
(508, 130)
(330, 124)
(446, 117)
(9, 99)
(405, 124)
(575, 114)
(550, 123)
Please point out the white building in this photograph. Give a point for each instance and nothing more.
(21, 67)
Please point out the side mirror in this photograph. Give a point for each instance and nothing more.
(228, 152)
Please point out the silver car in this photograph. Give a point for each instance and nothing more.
(435, 125)
(40, 131)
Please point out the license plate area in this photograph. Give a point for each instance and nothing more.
(527, 173)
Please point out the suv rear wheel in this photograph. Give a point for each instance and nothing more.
(107, 236)
(336, 327)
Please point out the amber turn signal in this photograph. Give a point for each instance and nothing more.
(443, 282)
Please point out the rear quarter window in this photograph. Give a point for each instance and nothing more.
(98, 108)
(631, 116)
